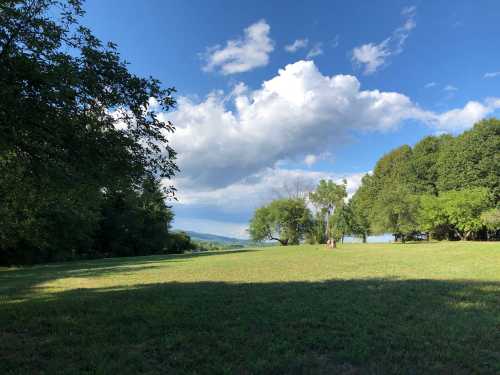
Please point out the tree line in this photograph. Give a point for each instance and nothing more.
(444, 187)
(82, 151)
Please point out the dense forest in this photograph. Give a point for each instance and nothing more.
(444, 187)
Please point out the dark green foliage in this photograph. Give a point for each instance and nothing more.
(472, 159)
(457, 178)
(75, 123)
(178, 242)
(134, 223)
(491, 220)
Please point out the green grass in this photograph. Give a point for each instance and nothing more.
(360, 309)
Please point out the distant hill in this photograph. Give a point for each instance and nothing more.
(206, 237)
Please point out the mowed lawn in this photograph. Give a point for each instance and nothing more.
(360, 309)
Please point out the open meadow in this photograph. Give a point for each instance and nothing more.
(363, 308)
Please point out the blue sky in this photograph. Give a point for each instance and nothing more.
(275, 92)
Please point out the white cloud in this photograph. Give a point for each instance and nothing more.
(224, 139)
(244, 54)
(248, 194)
(310, 160)
(373, 56)
(296, 45)
(450, 88)
(259, 188)
(316, 50)
(491, 75)
(457, 120)
(298, 112)
(430, 84)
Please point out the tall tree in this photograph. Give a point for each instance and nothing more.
(74, 123)
(361, 205)
(396, 212)
(326, 197)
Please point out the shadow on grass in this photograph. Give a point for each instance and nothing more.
(372, 326)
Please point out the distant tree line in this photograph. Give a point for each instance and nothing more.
(444, 187)
(82, 150)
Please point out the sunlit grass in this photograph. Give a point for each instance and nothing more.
(363, 308)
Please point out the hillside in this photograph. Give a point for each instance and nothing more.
(206, 237)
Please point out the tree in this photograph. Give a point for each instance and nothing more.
(326, 197)
(456, 213)
(491, 219)
(433, 218)
(361, 205)
(74, 123)
(283, 220)
(341, 222)
(134, 222)
(463, 209)
(424, 168)
(472, 160)
(395, 211)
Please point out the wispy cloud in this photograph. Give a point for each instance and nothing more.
(243, 54)
(373, 56)
(491, 75)
(336, 41)
(316, 50)
(296, 45)
(450, 88)
(430, 84)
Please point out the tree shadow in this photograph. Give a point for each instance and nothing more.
(361, 326)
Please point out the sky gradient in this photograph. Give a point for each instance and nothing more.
(271, 92)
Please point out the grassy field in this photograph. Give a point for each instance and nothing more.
(360, 309)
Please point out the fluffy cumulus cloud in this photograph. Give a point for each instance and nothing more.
(296, 45)
(243, 54)
(373, 56)
(299, 112)
(460, 119)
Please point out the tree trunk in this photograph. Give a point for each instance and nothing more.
(364, 237)
(402, 238)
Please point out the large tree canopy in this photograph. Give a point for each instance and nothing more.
(75, 123)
